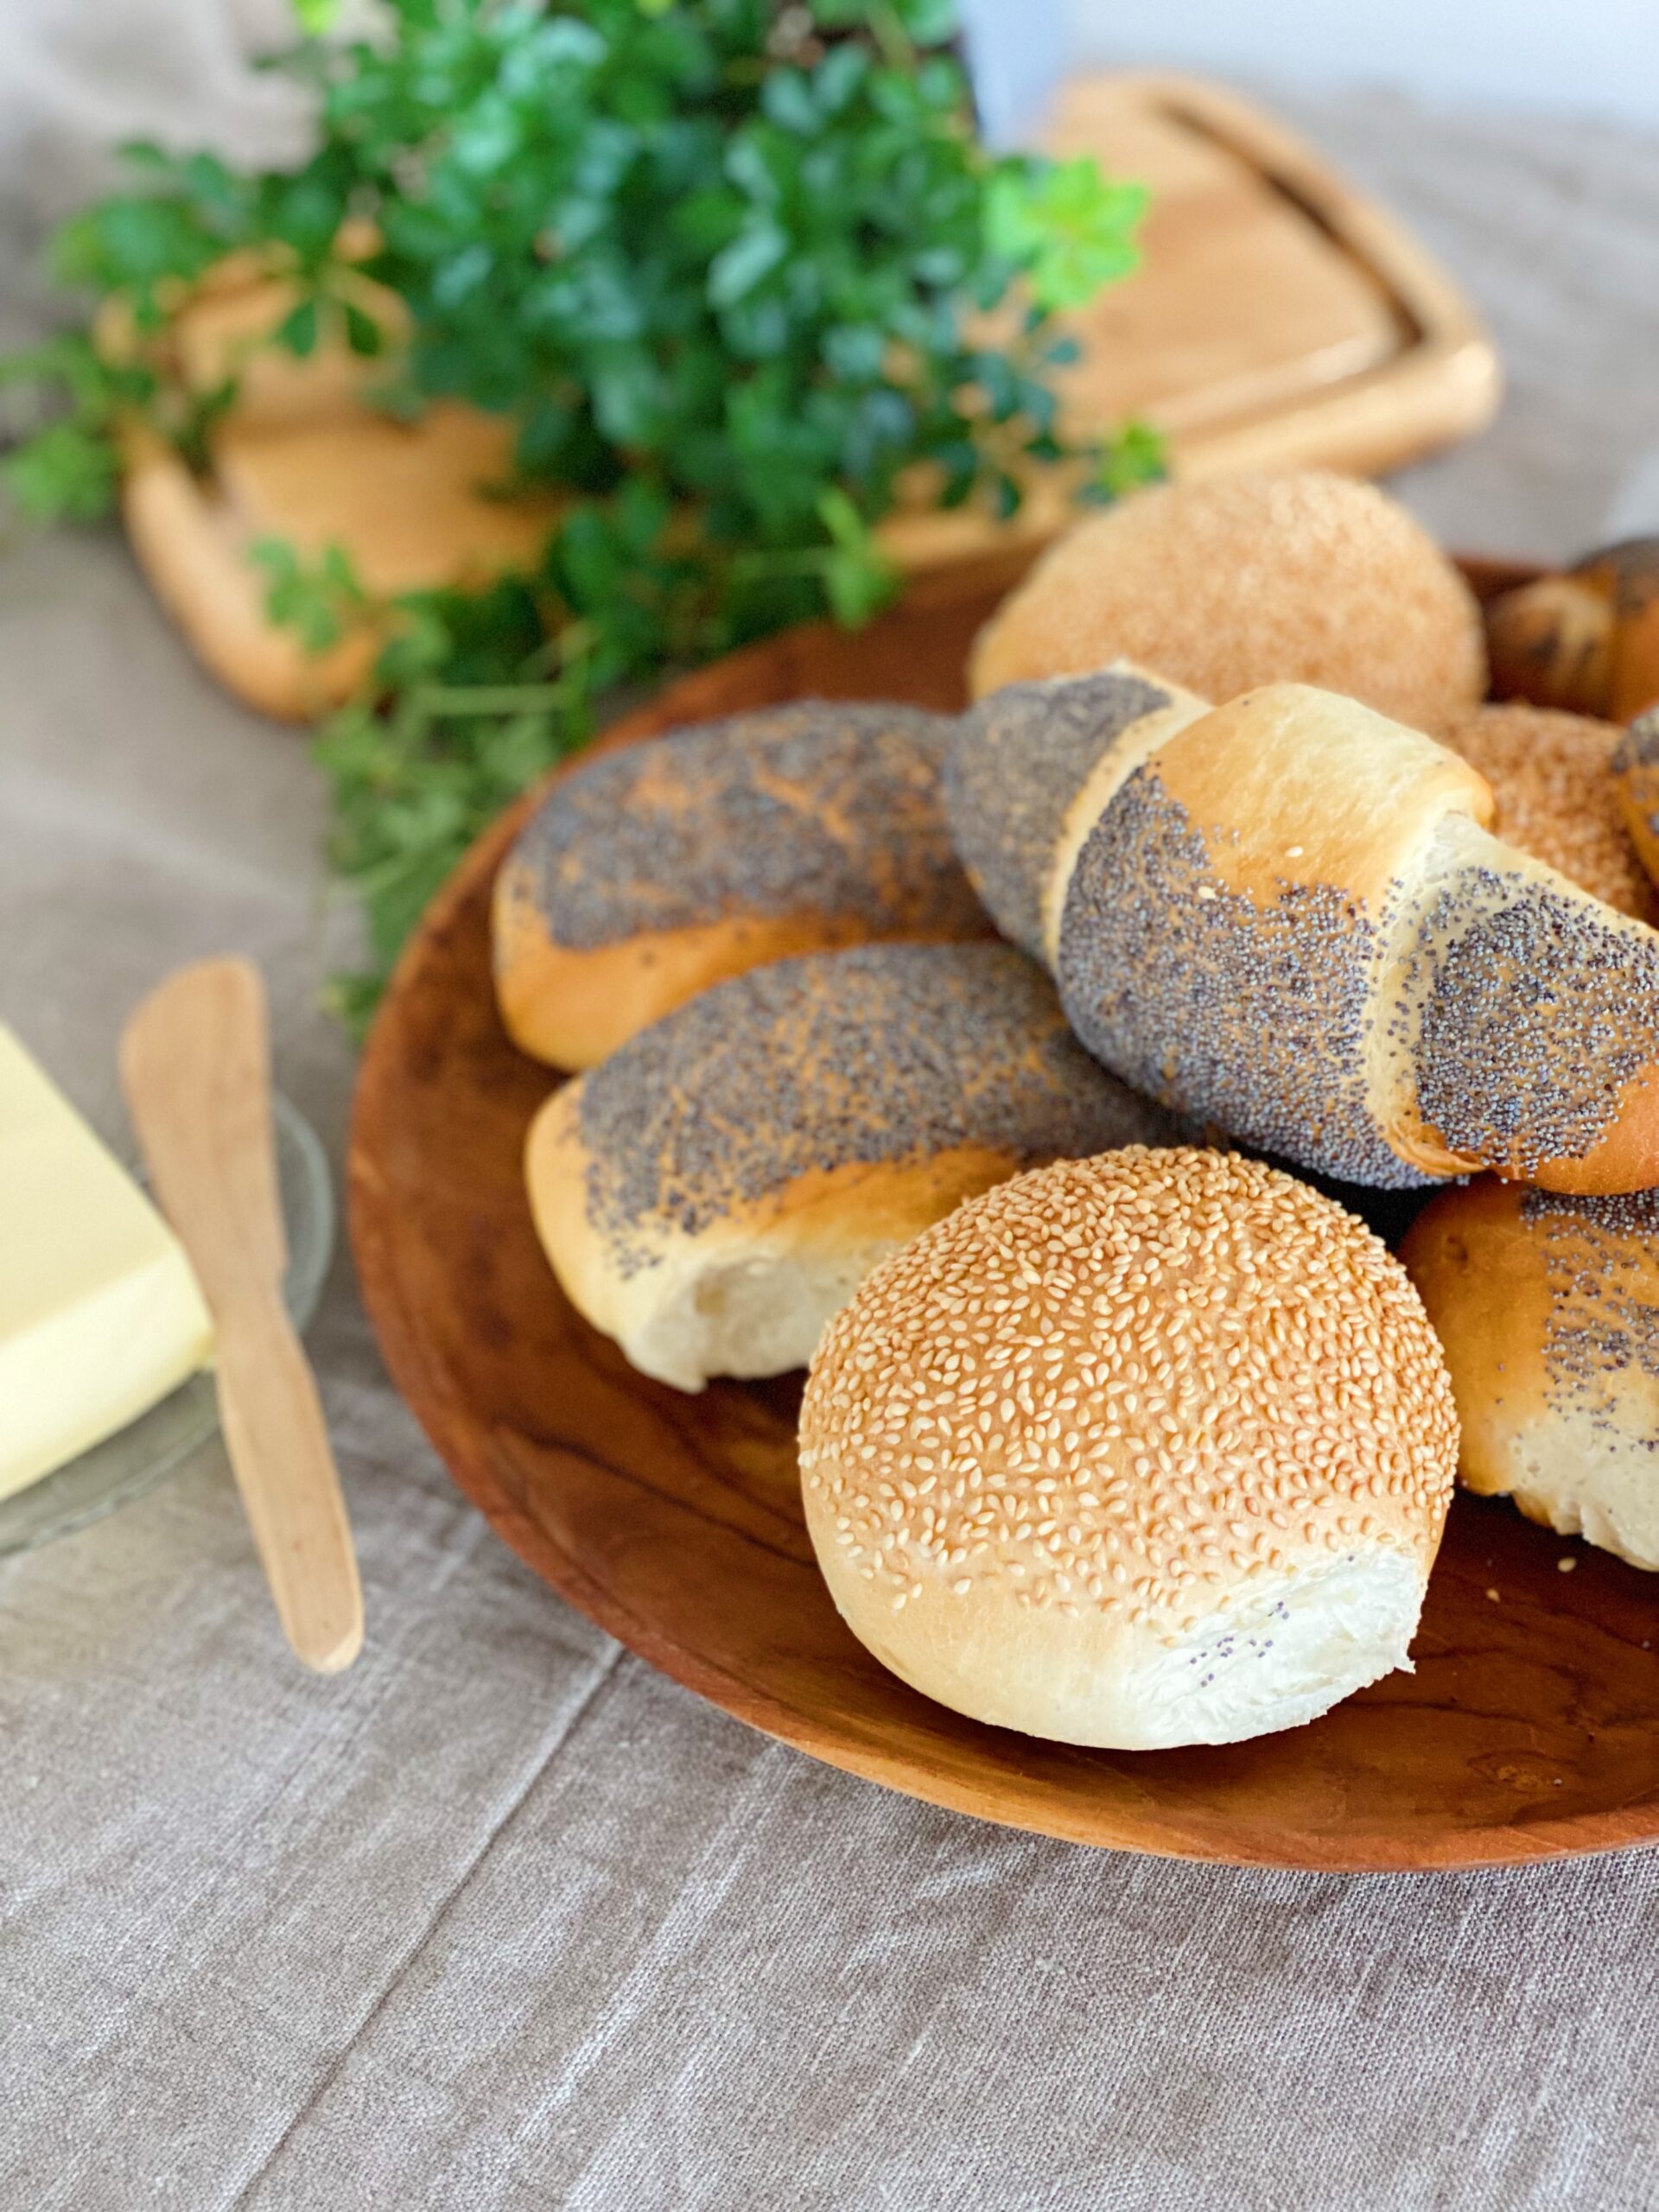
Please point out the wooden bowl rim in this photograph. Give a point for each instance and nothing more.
(456, 1438)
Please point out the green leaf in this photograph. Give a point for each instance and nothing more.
(64, 474)
(363, 333)
(1066, 226)
(740, 266)
(298, 329)
(1134, 457)
(319, 601)
(860, 579)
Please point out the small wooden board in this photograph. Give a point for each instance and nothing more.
(1526, 1733)
(1278, 320)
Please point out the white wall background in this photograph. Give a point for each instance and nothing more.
(1594, 57)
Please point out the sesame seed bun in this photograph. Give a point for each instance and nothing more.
(648, 873)
(713, 1192)
(1250, 580)
(1549, 1309)
(1138, 1450)
(1551, 776)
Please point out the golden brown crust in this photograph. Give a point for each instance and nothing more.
(1552, 779)
(1548, 1309)
(1626, 1159)
(1482, 1283)
(650, 873)
(1245, 581)
(576, 1005)
(1288, 921)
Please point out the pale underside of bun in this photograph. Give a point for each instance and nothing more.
(1145, 1450)
(1573, 1474)
(747, 1294)
(1286, 1649)
(720, 1186)
(1547, 1307)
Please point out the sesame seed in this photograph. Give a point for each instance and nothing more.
(1279, 1376)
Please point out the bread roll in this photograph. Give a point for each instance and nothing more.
(1549, 1309)
(1551, 776)
(650, 873)
(1587, 640)
(1145, 1450)
(1019, 796)
(711, 1194)
(1287, 919)
(1248, 580)
(1635, 781)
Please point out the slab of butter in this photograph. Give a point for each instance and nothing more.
(101, 1315)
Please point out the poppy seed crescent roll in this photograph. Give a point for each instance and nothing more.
(648, 873)
(1287, 918)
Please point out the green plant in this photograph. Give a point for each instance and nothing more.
(727, 266)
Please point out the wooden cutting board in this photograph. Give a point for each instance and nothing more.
(1279, 318)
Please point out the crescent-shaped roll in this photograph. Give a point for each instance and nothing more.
(1547, 1307)
(650, 873)
(720, 1186)
(1288, 918)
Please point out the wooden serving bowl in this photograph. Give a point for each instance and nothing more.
(1527, 1730)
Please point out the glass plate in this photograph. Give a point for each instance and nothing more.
(141, 1455)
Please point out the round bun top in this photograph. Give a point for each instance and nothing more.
(1552, 778)
(818, 807)
(1246, 581)
(1128, 1386)
(839, 1061)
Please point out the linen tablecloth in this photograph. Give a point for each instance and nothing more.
(502, 1919)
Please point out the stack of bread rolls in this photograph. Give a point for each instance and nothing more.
(1113, 1433)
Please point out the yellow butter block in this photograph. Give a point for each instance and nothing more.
(101, 1315)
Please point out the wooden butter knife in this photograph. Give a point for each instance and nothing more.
(196, 1068)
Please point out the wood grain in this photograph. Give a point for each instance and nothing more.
(1280, 319)
(196, 1069)
(1527, 1730)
